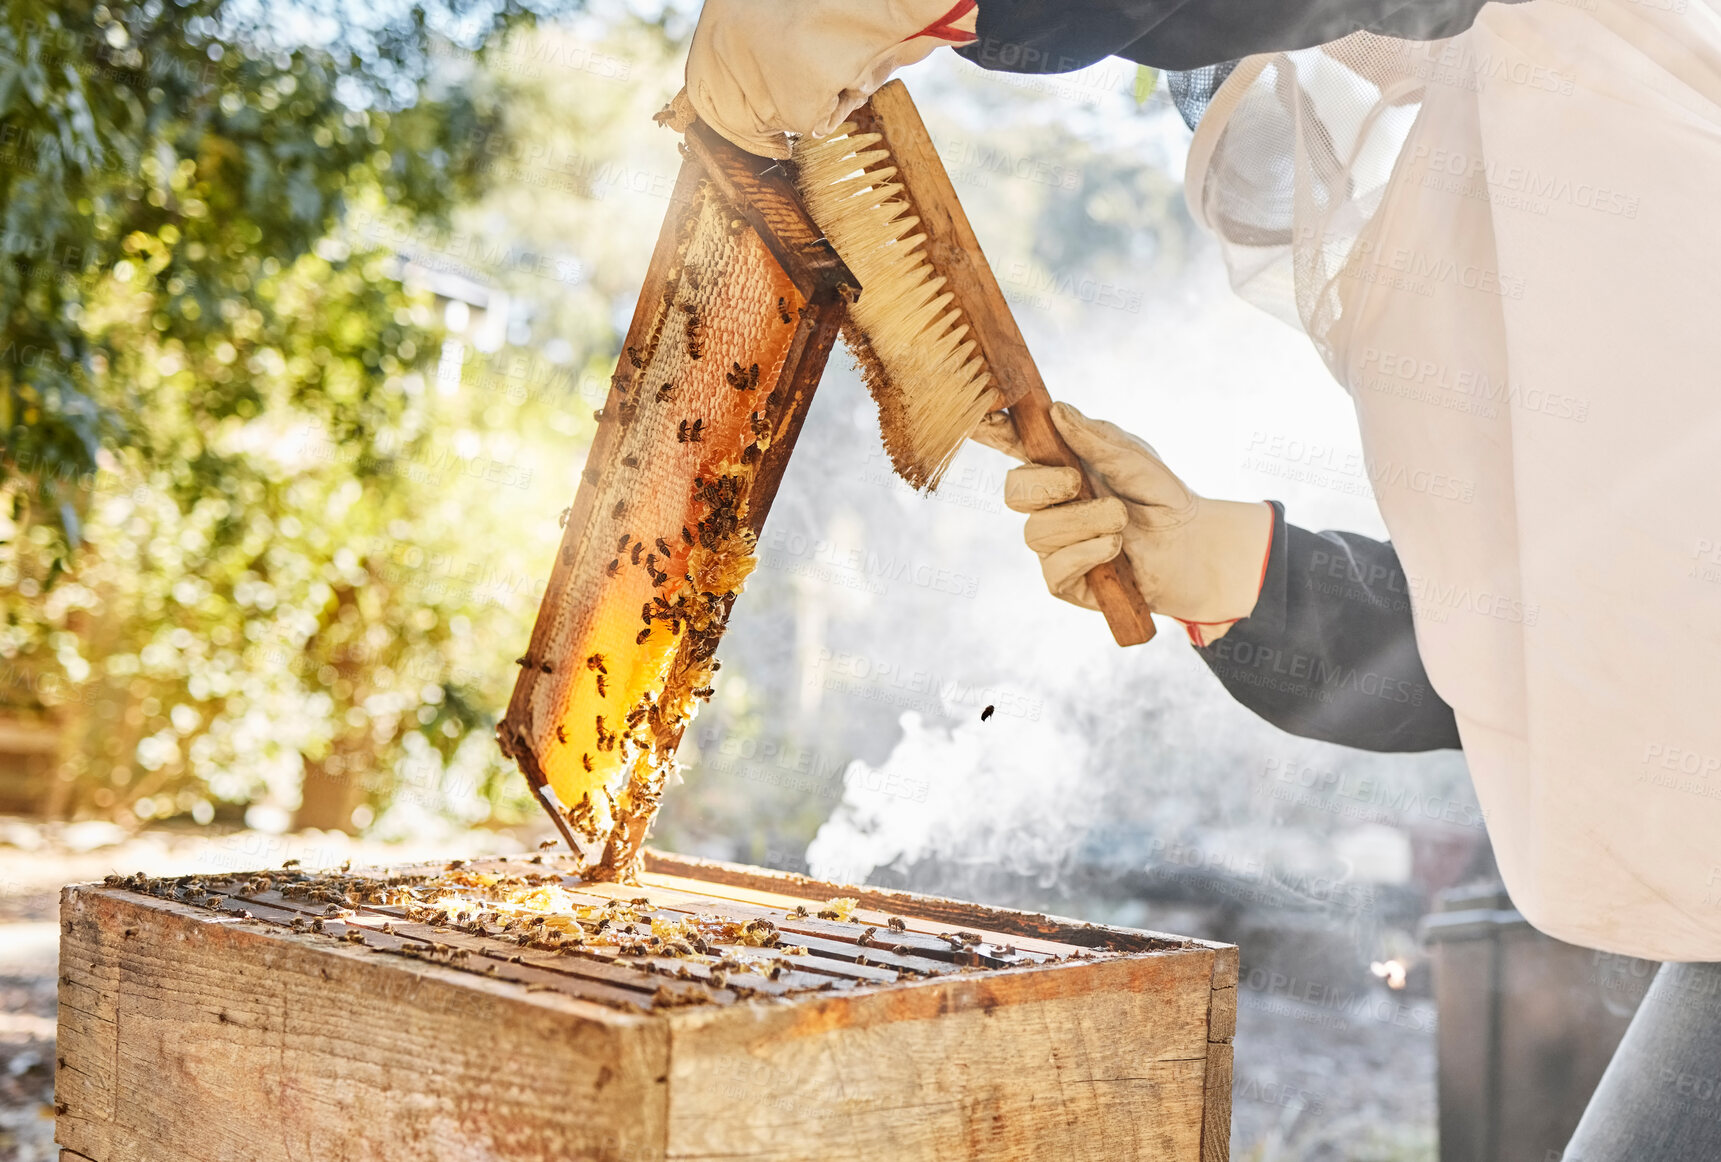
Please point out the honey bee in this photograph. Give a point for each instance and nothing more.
(601, 692)
(562, 521)
(561, 734)
(616, 512)
(681, 433)
(521, 661)
(596, 662)
(743, 378)
(290, 863)
(651, 562)
(804, 311)
(664, 392)
(598, 415)
(630, 461)
(546, 667)
(639, 638)
(614, 567)
(704, 693)
(622, 544)
(694, 328)
(783, 309)
(663, 547)
(633, 357)
(695, 434)
(586, 759)
(987, 713)
(645, 613)
(801, 911)
(896, 924)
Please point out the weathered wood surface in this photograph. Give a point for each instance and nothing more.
(185, 1035)
(195, 1033)
(1099, 1061)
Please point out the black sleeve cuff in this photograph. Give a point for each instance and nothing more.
(1329, 651)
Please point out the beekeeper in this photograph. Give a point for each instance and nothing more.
(1499, 227)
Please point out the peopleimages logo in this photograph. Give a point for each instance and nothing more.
(1413, 376)
(1409, 269)
(1532, 184)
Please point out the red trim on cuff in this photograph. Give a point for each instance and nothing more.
(944, 28)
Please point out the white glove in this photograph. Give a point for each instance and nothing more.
(1200, 561)
(758, 69)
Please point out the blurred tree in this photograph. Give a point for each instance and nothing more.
(238, 541)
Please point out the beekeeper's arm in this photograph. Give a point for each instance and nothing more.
(758, 69)
(1312, 631)
(1056, 36)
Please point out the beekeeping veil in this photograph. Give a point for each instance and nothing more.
(1507, 249)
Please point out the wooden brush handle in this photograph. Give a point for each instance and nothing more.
(954, 250)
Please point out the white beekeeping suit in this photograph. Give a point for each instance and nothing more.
(1507, 248)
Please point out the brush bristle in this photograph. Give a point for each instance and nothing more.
(907, 333)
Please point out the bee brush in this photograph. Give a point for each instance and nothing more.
(934, 338)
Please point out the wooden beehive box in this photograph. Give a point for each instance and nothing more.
(204, 1020)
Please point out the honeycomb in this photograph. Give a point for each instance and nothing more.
(665, 543)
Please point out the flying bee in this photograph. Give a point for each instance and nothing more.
(639, 638)
(614, 567)
(637, 547)
(664, 392)
(987, 713)
(783, 309)
(663, 547)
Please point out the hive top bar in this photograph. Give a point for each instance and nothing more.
(666, 942)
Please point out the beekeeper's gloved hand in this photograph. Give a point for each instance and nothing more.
(1198, 560)
(758, 69)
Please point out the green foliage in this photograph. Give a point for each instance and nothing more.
(186, 151)
(247, 528)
